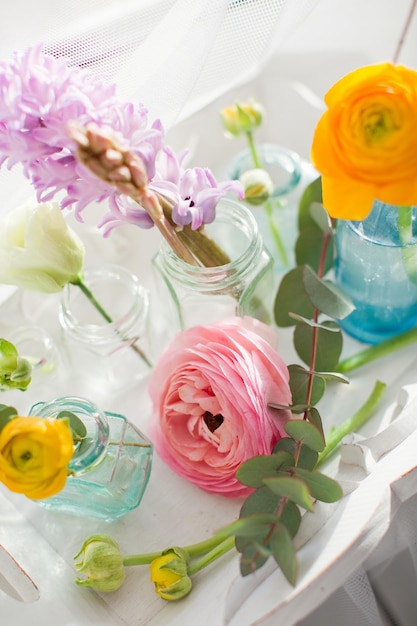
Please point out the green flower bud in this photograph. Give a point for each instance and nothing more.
(243, 117)
(102, 563)
(15, 372)
(257, 185)
(169, 574)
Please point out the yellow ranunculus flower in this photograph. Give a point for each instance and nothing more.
(34, 456)
(365, 144)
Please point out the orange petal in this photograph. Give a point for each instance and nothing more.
(347, 200)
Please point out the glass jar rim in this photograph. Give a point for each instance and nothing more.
(208, 278)
(88, 455)
(101, 333)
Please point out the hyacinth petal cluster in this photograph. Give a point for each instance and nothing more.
(41, 96)
(210, 392)
(192, 192)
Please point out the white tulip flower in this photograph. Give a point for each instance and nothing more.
(38, 250)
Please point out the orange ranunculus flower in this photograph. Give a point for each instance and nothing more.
(365, 144)
(34, 455)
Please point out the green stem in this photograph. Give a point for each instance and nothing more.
(225, 546)
(354, 423)
(255, 158)
(89, 294)
(275, 233)
(194, 549)
(267, 205)
(405, 229)
(377, 351)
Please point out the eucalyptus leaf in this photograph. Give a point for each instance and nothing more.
(83, 445)
(340, 378)
(280, 407)
(292, 297)
(285, 444)
(77, 426)
(253, 471)
(321, 217)
(328, 347)
(7, 413)
(321, 487)
(314, 418)
(251, 526)
(329, 327)
(325, 295)
(305, 432)
(308, 458)
(291, 517)
(299, 381)
(253, 557)
(260, 501)
(284, 553)
(308, 249)
(292, 488)
(312, 193)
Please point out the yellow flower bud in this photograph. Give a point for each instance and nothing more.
(257, 185)
(34, 456)
(102, 563)
(243, 117)
(169, 574)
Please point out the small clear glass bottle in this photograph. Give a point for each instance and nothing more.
(187, 295)
(109, 470)
(113, 353)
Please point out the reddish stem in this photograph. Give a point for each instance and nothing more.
(405, 31)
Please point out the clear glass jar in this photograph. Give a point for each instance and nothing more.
(109, 475)
(290, 175)
(185, 295)
(376, 265)
(110, 353)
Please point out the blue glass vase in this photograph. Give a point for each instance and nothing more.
(376, 265)
(109, 475)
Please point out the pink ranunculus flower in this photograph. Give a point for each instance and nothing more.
(210, 392)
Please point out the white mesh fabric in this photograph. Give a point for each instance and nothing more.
(173, 55)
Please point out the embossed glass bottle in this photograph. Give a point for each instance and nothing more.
(110, 467)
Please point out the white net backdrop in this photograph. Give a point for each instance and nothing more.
(173, 55)
(178, 56)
